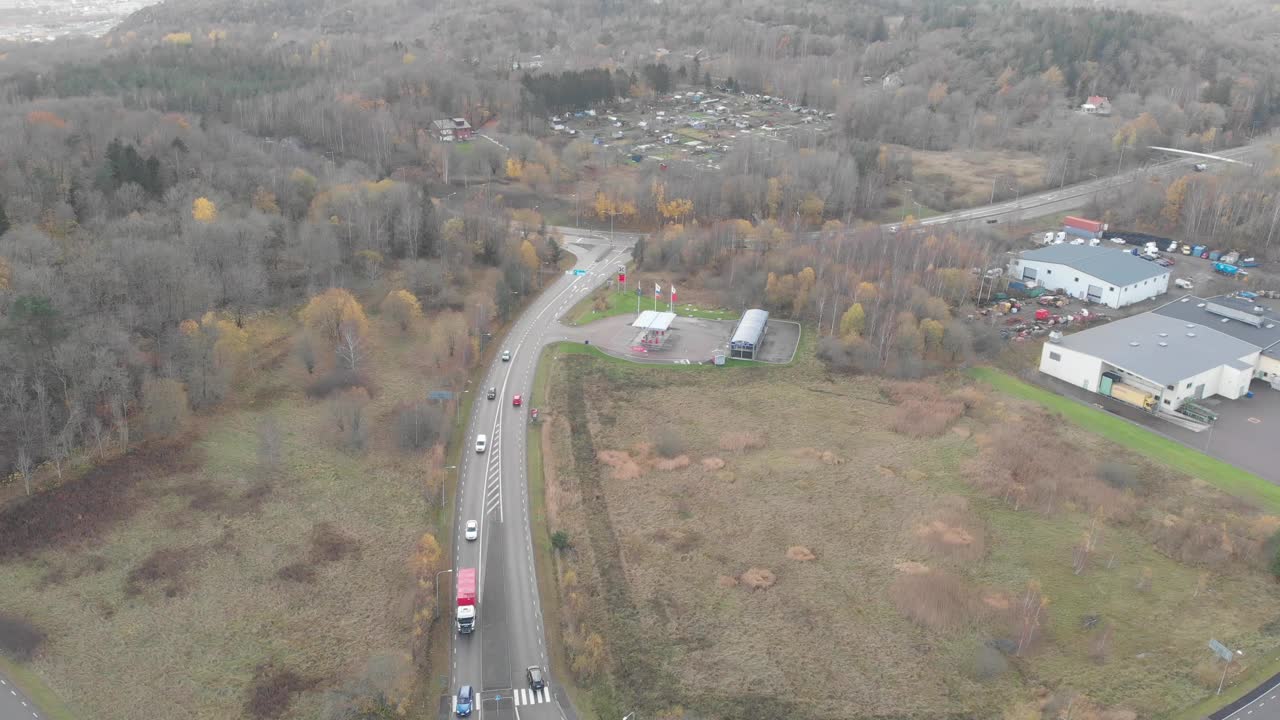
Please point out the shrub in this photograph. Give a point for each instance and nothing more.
(560, 540)
(420, 425)
(272, 691)
(925, 418)
(935, 599)
(325, 385)
(18, 638)
(669, 443)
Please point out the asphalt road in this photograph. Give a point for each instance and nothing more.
(1263, 703)
(1072, 197)
(493, 489)
(13, 704)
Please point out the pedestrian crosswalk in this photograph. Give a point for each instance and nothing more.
(532, 697)
(519, 696)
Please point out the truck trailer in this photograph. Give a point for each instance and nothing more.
(1133, 396)
(466, 613)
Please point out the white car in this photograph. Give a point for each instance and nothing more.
(472, 531)
(482, 443)
(506, 355)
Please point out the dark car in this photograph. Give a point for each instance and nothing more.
(466, 699)
(534, 674)
(493, 393)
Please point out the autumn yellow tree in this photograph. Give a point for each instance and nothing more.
(1174, 200)
(204, 210)
(329, 313)
(937, 93)
(675, 209)
(529, 255)
(265, 201)
(811, 209)
(854, 322)
(426, 559)
(932, 330)
(1138, 131)
(213, 352)
(403, 307)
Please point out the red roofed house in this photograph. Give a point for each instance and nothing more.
(453, 130)
(1096, 105)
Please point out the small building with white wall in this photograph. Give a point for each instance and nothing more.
(1189, 349)
(1098, 274)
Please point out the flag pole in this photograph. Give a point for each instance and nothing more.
(637, 296)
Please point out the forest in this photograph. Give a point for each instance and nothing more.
(212, 167)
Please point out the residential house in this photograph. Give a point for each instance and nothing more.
(453, 130)
(1096, 105)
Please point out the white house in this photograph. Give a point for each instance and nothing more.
(1188, 349)
(1103, 275)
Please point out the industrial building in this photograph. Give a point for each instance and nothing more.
(1186, 350)
(749, 334)
(1097, 274)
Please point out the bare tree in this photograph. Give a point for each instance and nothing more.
(350, 348)
(24, 467)
(269, 444)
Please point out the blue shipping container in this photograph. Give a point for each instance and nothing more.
(1214, 255)
(1197, 250)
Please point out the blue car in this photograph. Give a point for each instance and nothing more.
(466, 699)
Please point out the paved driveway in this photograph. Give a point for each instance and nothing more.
(1245, 435)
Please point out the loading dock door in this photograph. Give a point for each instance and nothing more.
(1028, 273)
(1094, 294)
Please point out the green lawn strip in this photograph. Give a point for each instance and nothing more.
(544, 560)
(1224, 476)
(1233, 692)
(623, 302)
(573, 348)
(34, 688)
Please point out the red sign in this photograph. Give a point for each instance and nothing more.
(622, 277)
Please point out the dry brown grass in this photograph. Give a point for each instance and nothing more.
(740, 440)
(800, 553)
(674, 463)
(936, 599)
(712, 464)
(168, 557)
(758, 578)
(966, 175)
(624, 467)
(916, 559)
(925, 418)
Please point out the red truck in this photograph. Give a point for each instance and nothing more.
(466, 613)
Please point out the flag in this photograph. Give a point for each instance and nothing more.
(657, 290)
(673, 294)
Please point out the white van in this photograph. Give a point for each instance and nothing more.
(482, 443)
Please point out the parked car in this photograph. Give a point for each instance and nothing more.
(466, 701)
(473, 530)
(534, 675)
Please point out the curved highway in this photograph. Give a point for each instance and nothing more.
(1071, 197)
(493, 490)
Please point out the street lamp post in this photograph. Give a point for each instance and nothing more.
(438, 586)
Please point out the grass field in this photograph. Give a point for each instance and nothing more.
(623, 302)
(764, 578)
(209, 578)
(1178, 457)
(965, 177)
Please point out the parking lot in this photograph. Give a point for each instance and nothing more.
(1244, 435)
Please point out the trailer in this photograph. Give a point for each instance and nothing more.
(1131, 395)
(1198, 412)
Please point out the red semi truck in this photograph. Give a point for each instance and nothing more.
(466, 613)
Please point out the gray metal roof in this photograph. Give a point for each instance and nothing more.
(750, 328)
(1189, 348)
(1117, 267)
(1193, 309)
